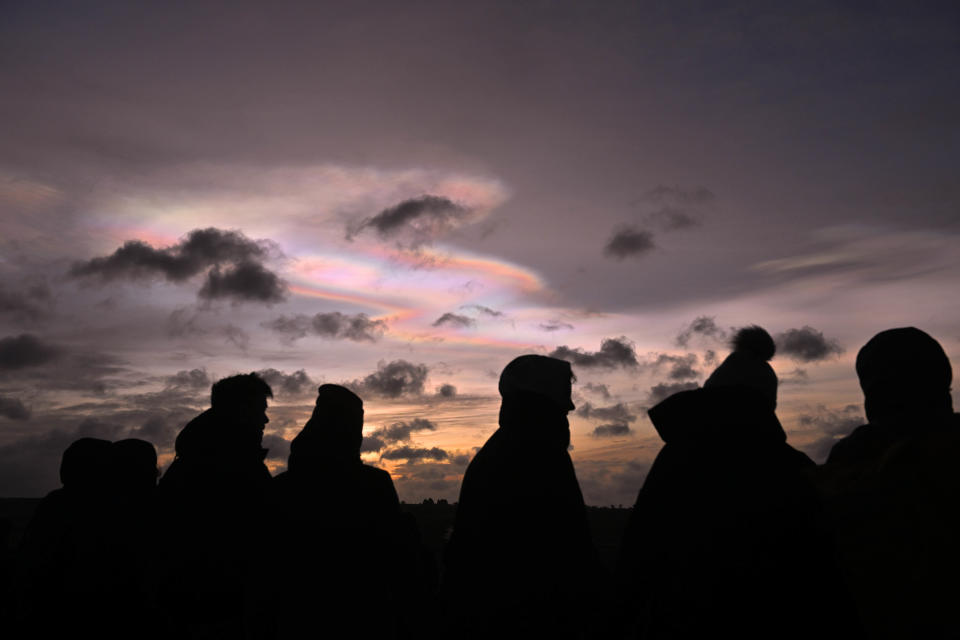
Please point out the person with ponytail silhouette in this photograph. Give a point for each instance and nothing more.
(725, 537)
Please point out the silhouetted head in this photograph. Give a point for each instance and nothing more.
(536, 393)
(747, 365)
(333, 432)
(135, 464)
(86, 463)
(241, 402)
(904, 372)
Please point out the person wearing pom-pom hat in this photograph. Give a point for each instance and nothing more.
(723, 538)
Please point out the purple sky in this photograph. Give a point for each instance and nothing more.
(405, 196)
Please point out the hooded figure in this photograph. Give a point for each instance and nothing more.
(724, 537)
(520, 562)
(893, 488)
(213, 500)
(339, 524)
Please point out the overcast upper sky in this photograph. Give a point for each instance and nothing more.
(405, 196)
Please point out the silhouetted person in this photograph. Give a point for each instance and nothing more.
(347, 551)
(520, 562)
(67, 567)
(214, 500)
(725, 538)
(895, 490)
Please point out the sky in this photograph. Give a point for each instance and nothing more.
(403, 197)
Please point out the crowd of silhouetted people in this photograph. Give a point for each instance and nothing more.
(734, 532)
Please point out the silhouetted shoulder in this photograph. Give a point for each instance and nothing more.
(861, 444)
(381, 486)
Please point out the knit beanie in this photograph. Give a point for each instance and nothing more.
(904, 360)
(747, 365)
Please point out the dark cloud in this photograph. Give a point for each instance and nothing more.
(195, 379)
(297, 383)
(371, 443)
(681, 367)
(333, 325)
(25, 350)
(612, 430)
(628, 241)
(679, 195)
(414, 454)
(555, 325)
(234, 261)
(806, 345)
(26, 304)
(454, 320)
(701, 326)
(671, 219)
(797, 376)
(13, 409)
(400, 431)
(248, 280)
(614, 352)
(832, 425)
(487, 311)
(419, 220)
(614, 413)
(447, 390)
(393, 379)
(277, 447)
(598, 389)
(664, 390)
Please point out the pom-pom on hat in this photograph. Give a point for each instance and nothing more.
(747, 365)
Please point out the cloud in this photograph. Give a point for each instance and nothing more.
(806, 345)
(195, 379)
(615, 413)
(234, 261)
(25, 350)
(393, 379)
(681, 367)
(628, 241)
(332, 325)
(400, 431)
(679, 195)
(418, 220)
(664, 390)
(614, 352)
(247, 280)
(297, 383)
(371, 443)
(454, 320)
(27, 304)
(278, 447)
(671, 219)
(832, 424)
(701, 326)
(447, 390)
(612, 430)
(555, 325)
(13, 409)
(599, 389)
(415, 454)
(797, 376)
(487, 311)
